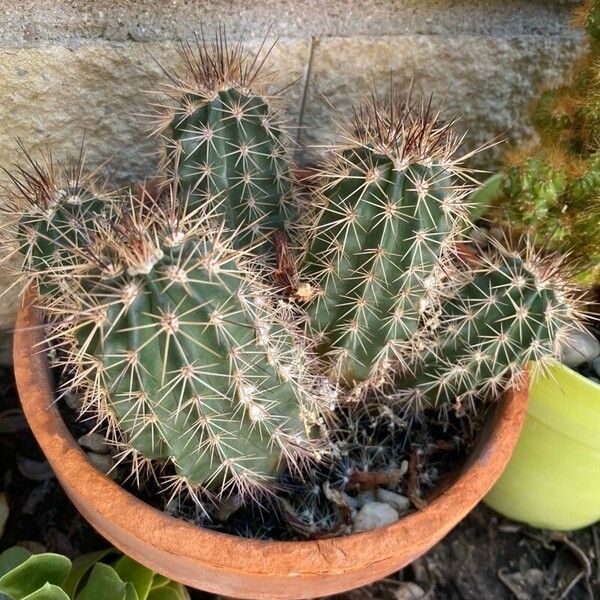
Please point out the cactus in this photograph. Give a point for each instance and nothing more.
(46, 212)
(550, 188)
(393, 196)
(184, 354)
(506, 312)
(226, 142)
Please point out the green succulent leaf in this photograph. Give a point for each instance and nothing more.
(130, 592)
(174, 591)
(12, 558)
(35, 571)
(139, 576)
(48, 592)
(103, 583)
(80, 568)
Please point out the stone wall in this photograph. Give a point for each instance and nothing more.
(69, 67)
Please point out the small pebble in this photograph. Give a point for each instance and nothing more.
(396, 501)
(94, 442)
(579, 347)
(104, 462)
(363, 497)
(373, 515)
(409, 590)
(34, 469)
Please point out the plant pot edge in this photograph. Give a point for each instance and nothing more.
(241, 567)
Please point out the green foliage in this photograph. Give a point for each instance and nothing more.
(226, 142)
(94, 576)
(393, 199)
(592, 19)
(550, 189)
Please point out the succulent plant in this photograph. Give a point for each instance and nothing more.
(507, 311)
(50, 576)
(550, 189)
(185, 355)
(47, 209)
(392, 194)
(226, 141)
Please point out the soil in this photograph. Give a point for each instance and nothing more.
(415, 459)
(485, 557)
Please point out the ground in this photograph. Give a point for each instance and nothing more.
(485, 557)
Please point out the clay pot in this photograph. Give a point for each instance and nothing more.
(234, 566)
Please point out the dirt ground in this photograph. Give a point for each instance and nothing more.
(485, 557)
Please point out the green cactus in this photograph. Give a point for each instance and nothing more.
(393, 197)
(226, 142)
(47, 212)
(186, 355)
(507, 312)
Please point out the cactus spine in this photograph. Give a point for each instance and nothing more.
(393, 205)
(505, 313)
(226, 142)
(186, 356)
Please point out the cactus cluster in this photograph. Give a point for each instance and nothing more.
(550, 189)
(168, 313)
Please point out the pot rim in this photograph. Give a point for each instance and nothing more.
(576, 375)
(368, 551)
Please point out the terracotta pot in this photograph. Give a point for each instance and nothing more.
(234, 566)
